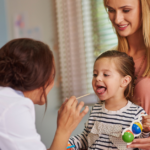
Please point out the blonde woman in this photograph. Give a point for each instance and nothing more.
(131, 20)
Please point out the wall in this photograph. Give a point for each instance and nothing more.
(3, 24)
(41, 13)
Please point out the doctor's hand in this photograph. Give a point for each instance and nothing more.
(69, 115)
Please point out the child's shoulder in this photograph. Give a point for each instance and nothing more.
(135, 107)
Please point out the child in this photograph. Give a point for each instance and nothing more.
(113, 80)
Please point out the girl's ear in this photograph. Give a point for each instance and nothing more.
(125, 81)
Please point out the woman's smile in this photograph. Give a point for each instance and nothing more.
(122, 27)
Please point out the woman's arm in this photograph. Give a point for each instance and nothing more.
(140, 143)
(69, 116)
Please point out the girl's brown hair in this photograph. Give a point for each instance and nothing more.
(122, 41)
(125, 66)
(26, 65)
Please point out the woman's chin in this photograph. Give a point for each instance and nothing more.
(122, 34)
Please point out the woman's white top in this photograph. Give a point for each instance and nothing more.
(17, 122)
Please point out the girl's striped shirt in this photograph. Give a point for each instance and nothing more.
(109, 121)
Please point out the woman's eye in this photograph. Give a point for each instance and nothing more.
(94, 75)
(106, 75)
(111, 10)
(126, 10)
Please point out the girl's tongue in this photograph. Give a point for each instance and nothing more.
(101, 90)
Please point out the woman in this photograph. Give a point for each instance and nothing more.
(131, 20)
(27, 74)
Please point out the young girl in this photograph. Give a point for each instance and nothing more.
(113, 79)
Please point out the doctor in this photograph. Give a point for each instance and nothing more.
(27, 74)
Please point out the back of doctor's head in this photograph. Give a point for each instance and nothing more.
(26, 64)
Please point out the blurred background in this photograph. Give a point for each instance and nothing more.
(77, 31)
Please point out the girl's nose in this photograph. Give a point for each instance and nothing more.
(118, 17)
(98, 78)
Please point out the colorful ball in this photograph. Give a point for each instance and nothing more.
(130, 132)
(128, 136)
(140, 125)
(136, 128)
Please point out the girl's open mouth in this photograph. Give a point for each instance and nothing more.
(101, 89)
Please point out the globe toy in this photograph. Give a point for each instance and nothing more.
(128, 136)
(133, 131)
(137, 128)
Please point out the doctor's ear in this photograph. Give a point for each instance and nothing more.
(125, 81)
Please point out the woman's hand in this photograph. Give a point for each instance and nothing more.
(146, 123)
(69, 116)
(140, 143)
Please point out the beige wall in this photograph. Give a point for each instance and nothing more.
(40, 13)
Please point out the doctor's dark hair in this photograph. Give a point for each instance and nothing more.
(26, 64)
(124, 65)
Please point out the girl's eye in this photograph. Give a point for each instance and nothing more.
(94, 75)
(106, 75)
(126, 10)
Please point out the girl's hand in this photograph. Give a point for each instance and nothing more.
(69, 115)
(140, 143)
(146, 123)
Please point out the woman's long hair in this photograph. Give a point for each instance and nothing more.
(122, 41)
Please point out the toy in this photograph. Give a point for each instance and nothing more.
(69, 146)
(133, 131)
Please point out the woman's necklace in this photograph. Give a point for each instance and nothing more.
(136, 76)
